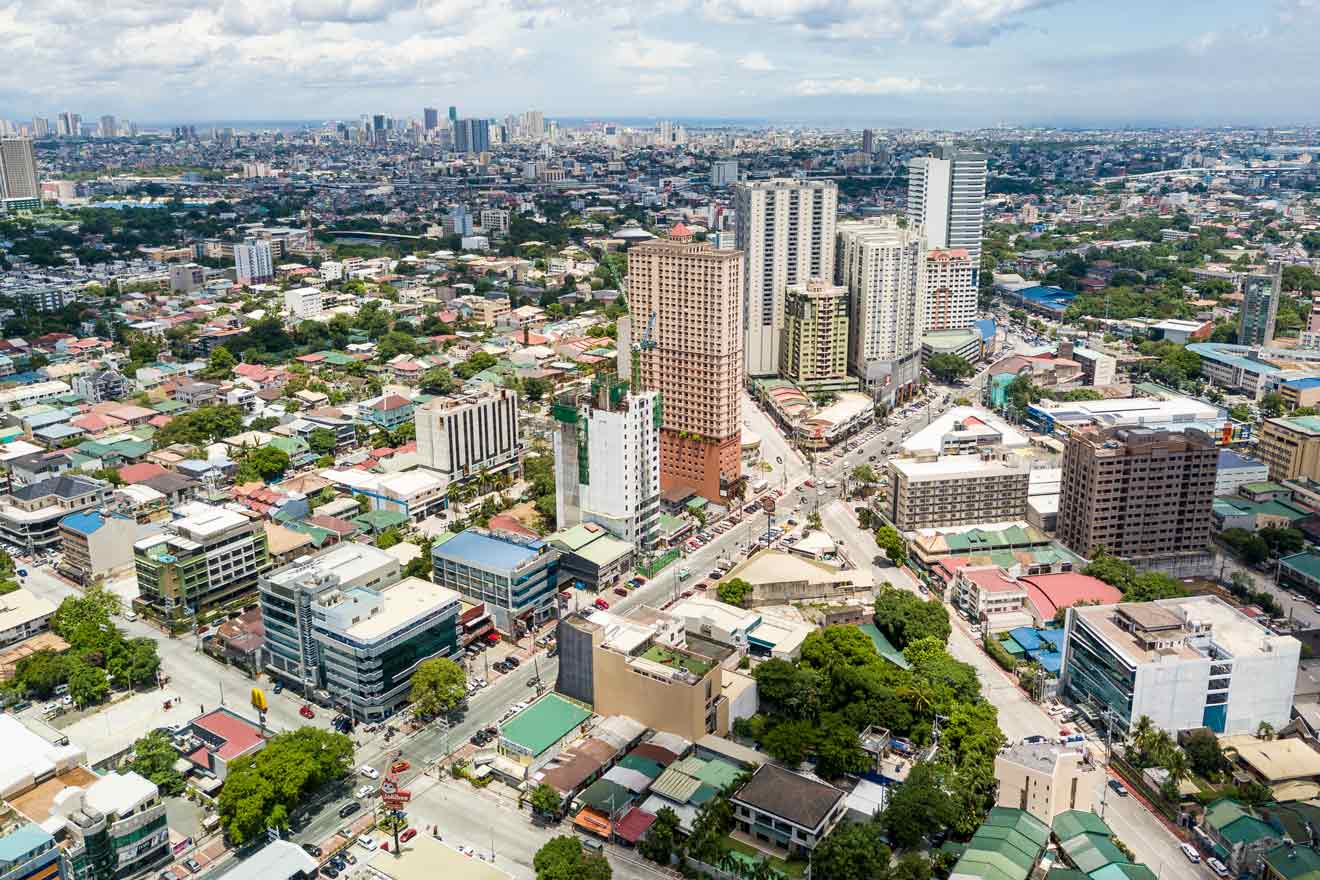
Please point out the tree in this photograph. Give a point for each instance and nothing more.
(1282, 541)
(734, 591)
(1272, 405)
(322, 441)
(838, 749)
(852, 851)
(919, 806)
(199, 427)
(41, 672)
(1111, 570)
(888, 540)
(438, 686)
(864, 473)
(790, 742)
(535, 389)
(949, 368)
(662, 838)
(266, 788)
(87, 684)
(438, 380)
(904, 617)
(1204, 754)
(1152, 585)
(263, 463)
(221, 364)
(93, 608)
(562, 858)
(546, 800)
(154, 758)
(792, 691)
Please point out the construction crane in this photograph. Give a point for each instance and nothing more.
(647, 343)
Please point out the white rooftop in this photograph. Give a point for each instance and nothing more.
(1132, 410)
(22, 606)
(971, 465)
(207, 520)
(120, 792)
(405, 604)
(410, 483)
(964, 422)
(25, 757)
(348, 561)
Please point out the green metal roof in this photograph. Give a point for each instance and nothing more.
(1071, 823)
(1091, 851)
(380, 520)
(543, 723)
(1122, 871)
(884, 647)
(1006, 846)
(1235, 822)
(1305, 563)
(606, 796)
(290, 446)
(1294, 862)
(650, 768)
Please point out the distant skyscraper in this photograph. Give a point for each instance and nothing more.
(868, 141)
(472, 135)
(533, 125)
(687, 321)
(786, 229)
(431, 118)
(40, 126)
(253, 262)
(723, 172)
(18, 170)
(70, 124)
(946, 197)
(883, 266)
(1260, 305)
(453, 116)
(109, 128)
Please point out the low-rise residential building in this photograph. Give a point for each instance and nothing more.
(303, 302)
(30, 515)
(96, 546)
(1235, 470)
(207, 557)
(990, 596)
(1238, 835)
(787, 810)
(389, 411)
(956, 490)
(1046, 779)
(23, 614)
(100, 386)
(213, 741)
(517, 578)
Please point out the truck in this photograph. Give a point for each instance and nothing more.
(684, 574)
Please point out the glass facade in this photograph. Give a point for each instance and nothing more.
(1096, 676)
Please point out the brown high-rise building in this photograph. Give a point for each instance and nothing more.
(685, 298)
(1139, 493)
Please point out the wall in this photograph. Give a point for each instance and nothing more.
(674, 707)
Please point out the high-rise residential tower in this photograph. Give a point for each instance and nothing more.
(950, 294)
(472, 135)
(18, 170)
(785, 228)
(684, 298)
(946, 197)
(109, 127)
(1141, 494)
(814, 354)
(430, 118)
(883, 266)
(868, 141)
(1260, 306)
(254, 262)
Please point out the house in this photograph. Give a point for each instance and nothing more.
(212, 742)
(101, 385)
(195, 394)
(389, 411)
(1238, 835)
(786, 810)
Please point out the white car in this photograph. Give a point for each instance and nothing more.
(1217, 866)
(369, 771)
(366, 843)
(364, 791)
(1190, 851)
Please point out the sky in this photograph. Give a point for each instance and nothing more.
(886, 63)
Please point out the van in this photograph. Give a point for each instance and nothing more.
(1190, 851)
(50, 710)
(61, 690)
(593, 846)
(130, 615)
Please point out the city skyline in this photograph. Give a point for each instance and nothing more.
(956, 62)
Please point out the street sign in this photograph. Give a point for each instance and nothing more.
(768, 504)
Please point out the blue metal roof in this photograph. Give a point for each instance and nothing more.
(1224, 353)
(986, 326)
(487, 551)
(1230, 461)
(1302, 384)
(23, 840)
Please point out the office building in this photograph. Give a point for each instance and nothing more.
(208, 557)
(814, 353)
(1098, 368)
(957, 490)
(639, 665)
(517, 578)
(303, 302)
(868, 141)
(950, 291)
(946, 198)
(1046, 779)
(785, 229)
(1185, 663)
(253, 262)
(29, 852)
(430, 118)
(18, 169)
(607, 460)
(723, 172)
(453, 116)
(114, 828)
(459, 436)
(109, 128)
(23, 614)
(1234, 471)
(1290, 447)
(288, 595)
(96, 546)
(883, 267)
(686, 297)
(1141, 494)
(1260, 306)
(69, 124)
(472, 135)
(186, 277)
(30, 515)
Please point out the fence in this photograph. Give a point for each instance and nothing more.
(650, 569)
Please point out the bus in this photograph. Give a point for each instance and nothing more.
(759, 486)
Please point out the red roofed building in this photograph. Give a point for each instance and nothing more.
(680, 232)
(139, 473)
(1047, 593)
(218, 738)
(991, 595)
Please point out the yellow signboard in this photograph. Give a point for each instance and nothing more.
(259, 700)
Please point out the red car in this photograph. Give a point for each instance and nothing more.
(306, 712)
(640, 579)
(399, 766)
(620, 591)
(408, 835)
(602, 604)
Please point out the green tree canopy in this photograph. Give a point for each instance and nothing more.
(265, 789)
(562, 858)
(438, 686)
(734, 591)
(154, 757)
(905, 617)
(852, 851)
(949, 368)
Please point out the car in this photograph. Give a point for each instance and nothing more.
(329, 871)
(477, 739)
(1190, 851)
(533, 682)
(368, 771)
(714, 573)
(279, 687)
(513, 661)
(1034, 738)
(349, 809)
(1118, 788)
(399, 766)
(192, 864)
(640, 579)
(364, 791)
(306, 711)
(1217, 866)
(407, 835)
(602, 604)
(169, 875)
(366, 843)
(312, 850)
(687, 594)
(620, 591)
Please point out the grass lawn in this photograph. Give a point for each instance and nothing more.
(794, 869)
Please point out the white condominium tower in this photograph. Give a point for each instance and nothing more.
(950, 297)
(946, 197)
(253, 262)
(883, 266)
(18, 170)
(786, 229)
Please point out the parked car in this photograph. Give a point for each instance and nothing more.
(407, 835)
(329, 871)
(306, 711)
(1217, 866)
(1190, 851)
(349, 809)
(399, 766)
(620, 591)
(312, 850)
(192, 864)
(602, 604)
(368, 771)
(366, 843)
(1118, 788)
(279, 687)
(513, 661)
(364, 791)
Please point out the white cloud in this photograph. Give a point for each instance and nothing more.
(356, 11)
(647, 53)
(757, 61)
(885, 85)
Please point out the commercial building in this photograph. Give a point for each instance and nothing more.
(687, 297)
(814, 353)
(957, 490)
(208, 557)
(1046, 779)
(517, 578)
(1174, 415)
(213, 741)
(607, 460)
(1233, 471)
(964, 429)
(30, 515)
(785, 228)
(460, 436)
(277, 860)
(1098, 368)
(592, 559)
(1290, 447)
(23, 614)
(950, 291)
(292, 652)
(18, 170)
(1185, 663)
(1237, 368)
(471, 135)
(303, 302)
(29, 852)
(1260, 306)
(96, 546)
(186, 277)
(723, 172)
(787, 810)
(640, 666)
(780, 578)
(254, 262)
(946, 198)
(1143, 495)
(883, 266)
